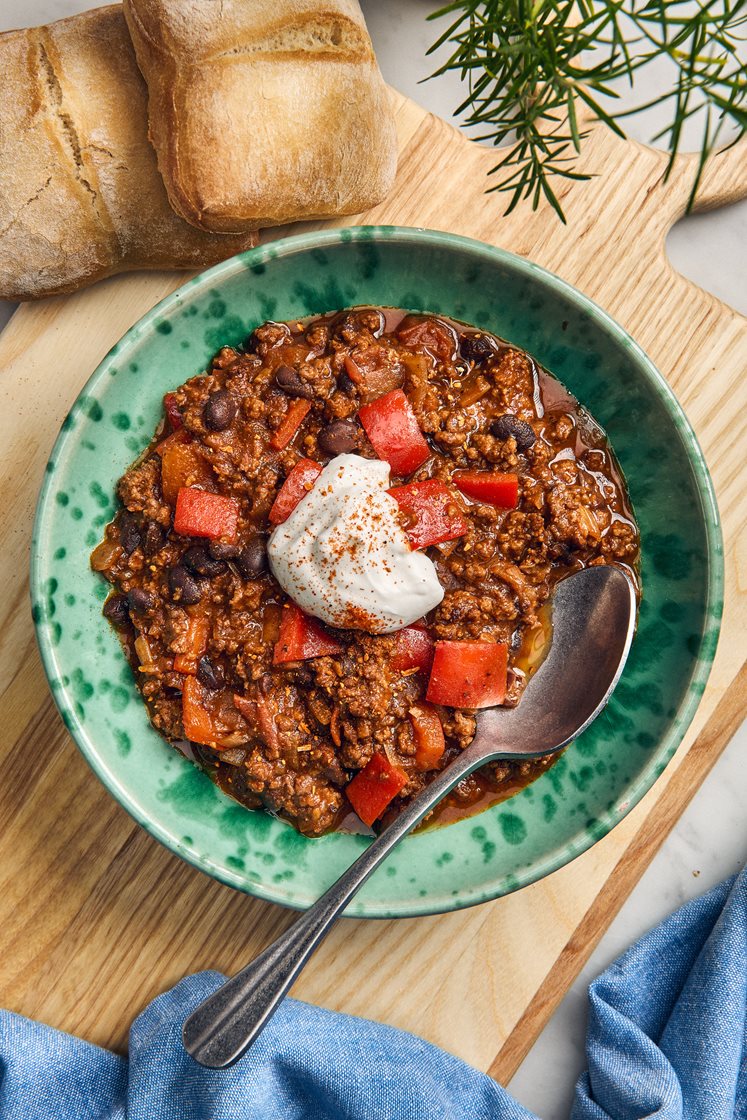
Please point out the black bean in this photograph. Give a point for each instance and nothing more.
(477, 347)
(503, 427)
(184, 588)
(201, 563)
(345, 385)
(140, 601)
(219, 410)
(220, 550)
(292, 383)
(154, 538)
(212, 676)
(339, 438)
(115, 609)
(252, 560)
(129, 531)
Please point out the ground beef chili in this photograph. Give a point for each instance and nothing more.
(200, 614)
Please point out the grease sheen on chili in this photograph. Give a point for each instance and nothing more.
(507, 473)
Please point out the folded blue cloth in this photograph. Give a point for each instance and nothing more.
(666, 1040)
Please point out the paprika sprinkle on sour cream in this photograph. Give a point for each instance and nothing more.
(341, 544)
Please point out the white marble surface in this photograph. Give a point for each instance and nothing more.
(708, 843)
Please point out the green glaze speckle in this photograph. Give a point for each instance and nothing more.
(216, 309)
(123, 741)
(119, 698)
(480, 835)
(513, 829)
(100, 497)
(188, 792)
(598, 778)
(231, 332)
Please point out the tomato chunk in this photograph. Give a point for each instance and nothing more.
(413, 649)
(202, 514)
(198, 722)
(377, 784)
(428, 731)
(373, 370)
(182, 465)
(173, 414)
(392, 427)
(296, 486)
(468, 674)
(433, 512)
(491, 487)
(302, 638)
(432, 335)
(289, 425)
(198, 630)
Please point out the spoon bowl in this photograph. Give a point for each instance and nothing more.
(593, 620)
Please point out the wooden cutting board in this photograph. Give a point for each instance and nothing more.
(97, 918)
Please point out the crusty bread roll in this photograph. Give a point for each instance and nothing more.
(80, 193)
(264, 111)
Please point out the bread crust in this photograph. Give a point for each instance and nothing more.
(80, 193)
(266, 112)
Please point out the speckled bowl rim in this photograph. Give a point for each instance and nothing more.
(702, 661)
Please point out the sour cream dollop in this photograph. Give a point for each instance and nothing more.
(343, 555)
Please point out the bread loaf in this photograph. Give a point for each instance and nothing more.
(264, 111)
(80, 193)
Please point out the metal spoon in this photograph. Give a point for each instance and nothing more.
(593, 615)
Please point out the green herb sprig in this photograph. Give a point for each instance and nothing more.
(531, 64)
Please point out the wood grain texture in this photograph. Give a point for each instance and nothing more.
(97, 917)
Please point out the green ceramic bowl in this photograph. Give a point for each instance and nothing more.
(600, 777)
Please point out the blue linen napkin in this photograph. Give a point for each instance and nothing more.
(666, 1040)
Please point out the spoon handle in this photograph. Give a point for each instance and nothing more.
(225, 1025)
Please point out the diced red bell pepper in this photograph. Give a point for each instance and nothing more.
(432, 510)
(198, 722)
(173, 414)
(297, 412)
(374, 787)
(302, 638)
(413, 649)
(198, 630)
(202, 514)
(182, 465)
(491, 487)
(437, 337)
(392, 427)
(296, 486)
(428, 731)
(468, 674)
